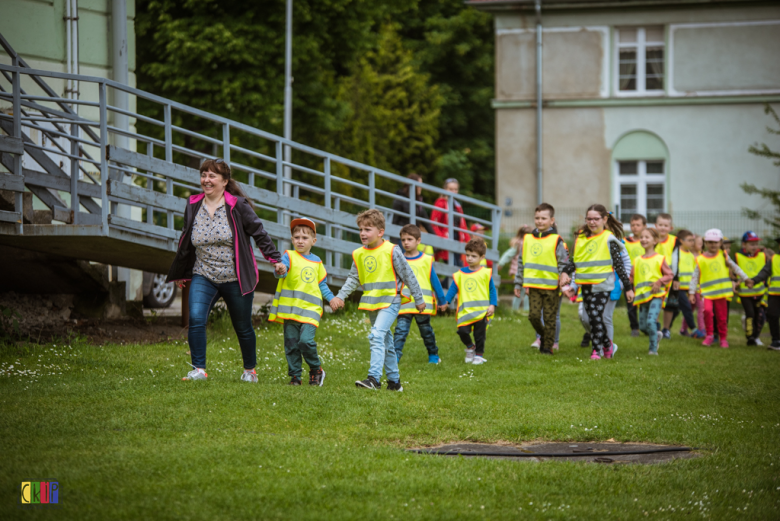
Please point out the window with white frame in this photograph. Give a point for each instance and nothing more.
(640, 60)
(641, 187)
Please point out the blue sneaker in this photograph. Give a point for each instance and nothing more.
(698, 333)
(433, 359)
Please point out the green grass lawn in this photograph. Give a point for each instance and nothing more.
(127, 439)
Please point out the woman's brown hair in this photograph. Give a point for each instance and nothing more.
(611, 224)
(413, 176)
(219, 166)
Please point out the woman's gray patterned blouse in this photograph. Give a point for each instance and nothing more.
(213, 241)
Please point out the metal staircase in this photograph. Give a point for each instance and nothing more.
(119, 206)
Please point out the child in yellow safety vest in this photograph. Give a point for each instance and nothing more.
(752, 261)
(669, 247)
(711, 274)
(635, 250)
(477, 300)
(539, 274)
(422, 266)
(596, 262)
(651, 276)
(685, 265)
(378, 266)
(298, 302)
(770, 275)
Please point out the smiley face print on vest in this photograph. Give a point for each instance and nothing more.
(536, 249)
(471, 285)
(307, 275)
(370, 264)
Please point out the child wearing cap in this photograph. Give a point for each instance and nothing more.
(752, 261)
(711, 273)
(771, 273)
(298, 302)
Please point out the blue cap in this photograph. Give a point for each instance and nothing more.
(750, 237)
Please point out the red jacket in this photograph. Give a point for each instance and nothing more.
(443, 231)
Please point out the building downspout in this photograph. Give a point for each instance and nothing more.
(539, 194)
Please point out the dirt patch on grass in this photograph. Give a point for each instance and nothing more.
(117, 331)
(592, 452)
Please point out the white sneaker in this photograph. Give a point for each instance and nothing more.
(470, 355)
(478, 360)
(537, 343)
(759, 342)
(196, 374)
(250, 375)
(660, 337)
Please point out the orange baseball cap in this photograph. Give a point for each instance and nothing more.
(303, 221)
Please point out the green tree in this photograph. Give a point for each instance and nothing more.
(773, 196)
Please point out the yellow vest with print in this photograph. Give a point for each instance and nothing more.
(298, 296)
(422, 272)
(473, 295)
(540, 262)
(634, 249)
(647, 270)
(751, 266)
(377, 276)
(428, 250)
(774, 278)
(685, 266)
(592, 258)
(666, 248)
(714, 279)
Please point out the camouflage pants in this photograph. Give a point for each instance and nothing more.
(543, 303)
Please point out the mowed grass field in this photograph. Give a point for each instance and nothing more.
(127, 439)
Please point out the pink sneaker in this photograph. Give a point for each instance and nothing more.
(608, 351)
(555, 346)
(708, 340)
(537, 343)
(595, 355)
(724, 343)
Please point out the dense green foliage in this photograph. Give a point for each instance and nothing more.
(403, 85)
(773, 196)
(127, 439)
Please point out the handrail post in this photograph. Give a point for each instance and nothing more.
(280, 186)
(328, 227)
(371, 189)
(17, 158)
(450, 224)
(226, 142)
(338, 233)
(150, 184)
(412, 203)
(74, 174)
(168, 158)
(105, 205)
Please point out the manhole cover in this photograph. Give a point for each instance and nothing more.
(602, 452)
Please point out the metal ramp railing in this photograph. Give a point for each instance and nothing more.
(72, 165)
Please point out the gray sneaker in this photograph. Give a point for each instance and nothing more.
(652, 353)
(196, 374)
(249, 376)
(470, 355)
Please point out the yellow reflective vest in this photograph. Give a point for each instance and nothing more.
(714, 279)
(774, 278)
(647, 270)
(377, 276)
(666, 248)
(422, 268)
(298, 296)
(473, 295)
(540, 262)
(751, 266)
(685, 266)
(592, 258)
(634, 248)
(428, 250)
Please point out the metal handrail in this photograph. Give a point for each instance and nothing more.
(332, 199)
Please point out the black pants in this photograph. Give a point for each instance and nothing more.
(632, 316)
(594, 306)
(754, 316)
(684, 307)
(544, 301)
(773, 317)
(480, 328)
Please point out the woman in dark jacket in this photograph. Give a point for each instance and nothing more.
(215, 254)
(402, 205)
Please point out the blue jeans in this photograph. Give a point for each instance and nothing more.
(380, 339)
(648, 321)
(403, 326)
(203, 296)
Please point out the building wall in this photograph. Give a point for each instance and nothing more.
(719, 74)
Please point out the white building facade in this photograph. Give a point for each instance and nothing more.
(648, 107)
